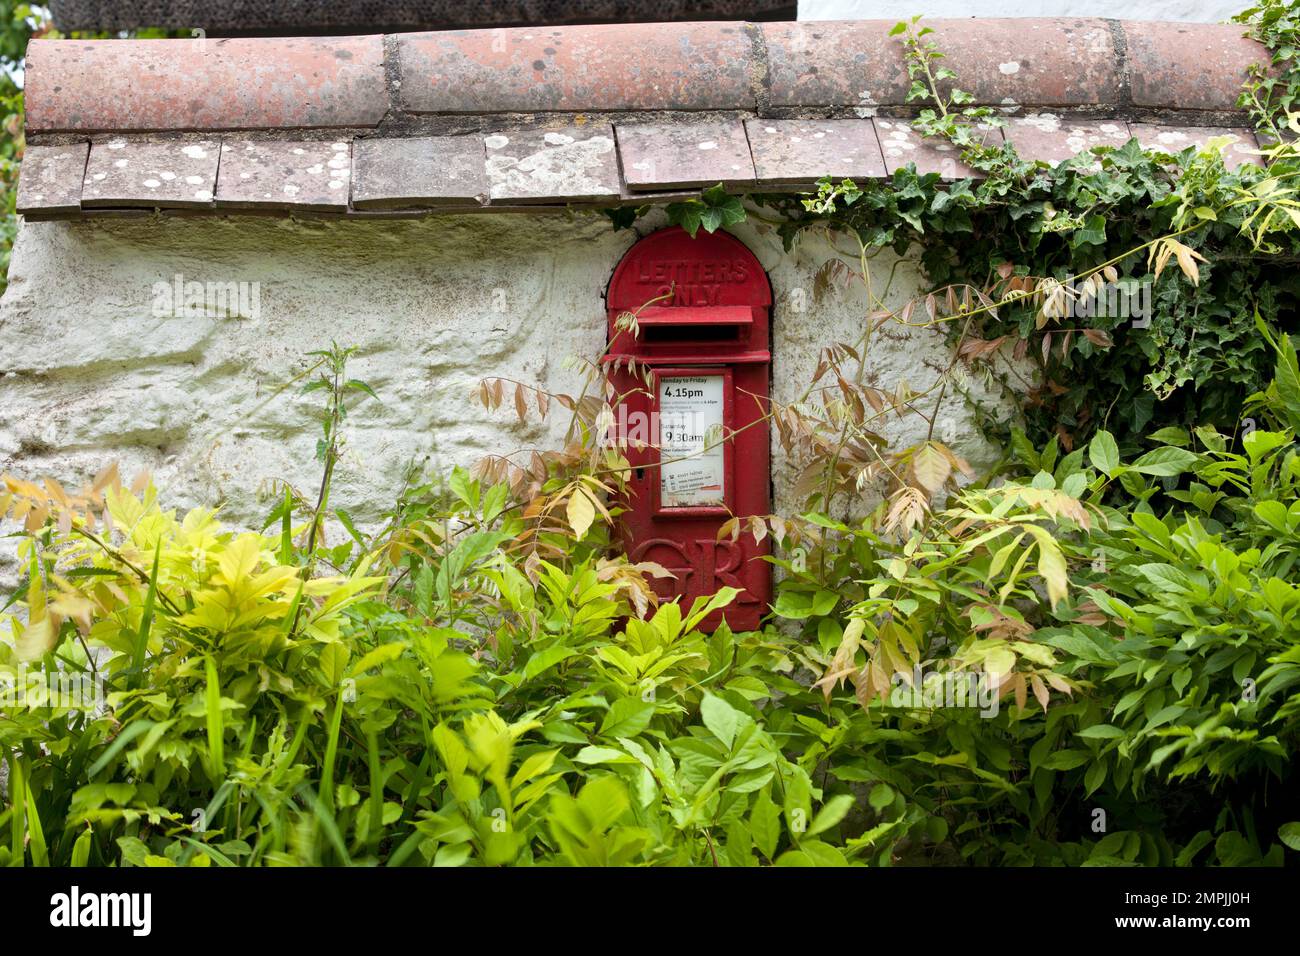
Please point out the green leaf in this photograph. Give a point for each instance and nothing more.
(881, 797)
(999, 660)
(818, 853)
(594, 755)
(1165, 462)
(797, 607)
(1166, 578)
(359, 386)
(765, 825)
(129, 733)
(133, 849)
(1101, 732)
(1194, 846)
(685, 214)
(380, 655)
(627, 717)
(720, 718)
(543, 661)
(832, 812)
(1171, 435)
(1094, 777)
(1103, 452)
(1065, 759)
(333, 663)
(464, 487)
(1289, 833)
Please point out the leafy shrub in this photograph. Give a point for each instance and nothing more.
(1147, 608)
(480, 682)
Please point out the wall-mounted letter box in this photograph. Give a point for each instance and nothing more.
(698, 394)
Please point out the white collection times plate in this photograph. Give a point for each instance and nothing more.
(690, 441)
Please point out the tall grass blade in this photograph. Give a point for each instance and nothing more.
(326, 818)
(18, 816)
(40, 852)
(331, 752)
(286, 529)
(81, 849)
(376, 828)
(215, 722)
(146, 620)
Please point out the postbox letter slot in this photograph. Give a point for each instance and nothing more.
(719, 324)
(668, 334)
(659, 317)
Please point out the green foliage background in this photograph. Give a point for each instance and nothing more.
(474, 684)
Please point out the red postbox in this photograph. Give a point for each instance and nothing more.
(698, 393)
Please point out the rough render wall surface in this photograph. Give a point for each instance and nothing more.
(88, 374)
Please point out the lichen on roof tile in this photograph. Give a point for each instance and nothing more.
(50, 181)
(685, 153)
(569, 163)
(307, 174)
(392, 172)
(178, 174)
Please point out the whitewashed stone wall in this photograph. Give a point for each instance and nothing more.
(89, 374)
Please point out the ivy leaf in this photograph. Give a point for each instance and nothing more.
(685, 214)
(1093, 233)
(623, 217)
(714, 209)
(724, 209)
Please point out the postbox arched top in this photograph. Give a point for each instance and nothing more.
(713, 269)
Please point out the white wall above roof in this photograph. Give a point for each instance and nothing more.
(1197, 11)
